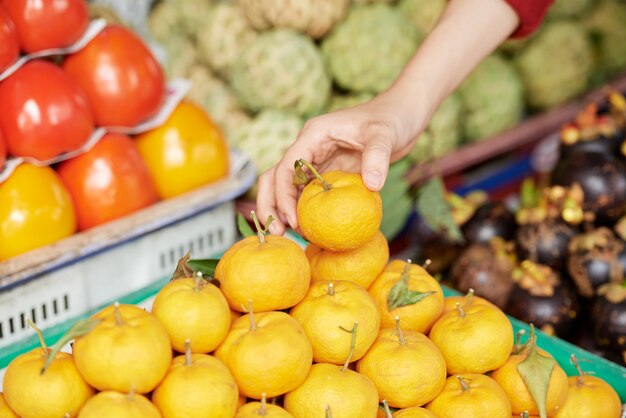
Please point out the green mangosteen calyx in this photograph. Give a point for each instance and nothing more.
(594, 260)
(613, 292)
(536, 279)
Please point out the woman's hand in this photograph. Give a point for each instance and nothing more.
(363, 138)
(368, 137)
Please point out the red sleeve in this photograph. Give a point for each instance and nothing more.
(531, 13)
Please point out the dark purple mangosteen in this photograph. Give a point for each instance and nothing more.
(438, 246)
(541, 297)
(545, 242)
(609, 316)
(492, 219)
(603, 179)
(620, 231)
(610, 146)
(591, 131)
(548, 219)
(584, 338)
(434, 246)
(593, 260)
(486, 268)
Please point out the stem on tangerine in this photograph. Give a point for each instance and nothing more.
(401, 338)
(387, 410)
(188, 360)
(80, 328)
(251, 312)
(469, 297)
(331, 289)
(197, 281)
(118, 316)
(317, 175)
(460, 310)
(426, 264)
(581, 373)
(352, 345)
(518, 347)
(328, 414)
(257, 225)
(44, 347)
(464, 386)
(532, 342)
(263, 410)
(131, 394)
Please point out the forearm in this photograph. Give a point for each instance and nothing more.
(468, 31)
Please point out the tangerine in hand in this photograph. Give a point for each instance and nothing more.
(337, 211)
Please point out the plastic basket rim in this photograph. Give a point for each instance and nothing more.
(243, 171)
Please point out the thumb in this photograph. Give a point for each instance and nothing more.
(375, 162)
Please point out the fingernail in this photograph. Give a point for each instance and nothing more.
(292, 222)
(374, 179)
(273, 229)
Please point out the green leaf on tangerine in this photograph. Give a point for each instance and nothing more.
(80, 328)
(244, 227)
(536, 371)
(204, 265)
(400, 295)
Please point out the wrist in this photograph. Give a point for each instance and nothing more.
(408, 112)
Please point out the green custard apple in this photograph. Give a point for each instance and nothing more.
(556, 65)
(267, 137)
(367, 51)
(193, 14)
(225, 34)
(423, 13)
(171, 17)
(569, 9)
(181, 56)
(443, 134)
(360, 2)
(281, 69)
(607, 25)
(493, 98)
(164, 21)
(216, 98)
(313, 17)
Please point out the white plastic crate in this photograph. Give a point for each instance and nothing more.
(58, 283)
(78, 288)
